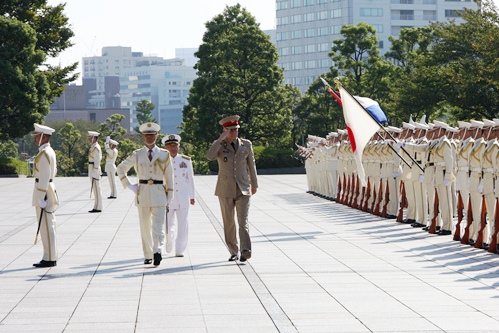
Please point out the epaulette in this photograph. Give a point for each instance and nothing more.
(185, 157)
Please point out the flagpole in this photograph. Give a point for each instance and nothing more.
(337, 81)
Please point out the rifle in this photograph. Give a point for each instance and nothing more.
(357, 192)
(368, 195)
(483, 222)
(346, 188)
(363, 194)
(493, 241)
(352, 193)
(375, 197)
(338, 194)
(387, 199)
(433, 226)
(469, 220)
(379, 197)
(460, 212)
(403, 199)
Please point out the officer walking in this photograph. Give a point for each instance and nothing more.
(94, 170)
(45, 198)
(178, 228)
(237, 182)
(154, 192)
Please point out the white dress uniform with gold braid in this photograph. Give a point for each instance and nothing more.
(462, 166)
(489, 166)
(476, 167)
(154, 192)
(177, 222)
(110, 167)
(407, 179)
(45, 198)
(444, 176)
(394, 172)
(95, 171)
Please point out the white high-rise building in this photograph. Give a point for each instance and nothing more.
(306, 28)
(164, 82)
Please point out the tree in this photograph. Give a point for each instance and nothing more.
(238, 74)
(112, 127)
(29, 32)
(144, 113)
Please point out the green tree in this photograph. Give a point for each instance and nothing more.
(8, 149)
(237, 74)
(112, 127)
(144, 113)
(29, 32)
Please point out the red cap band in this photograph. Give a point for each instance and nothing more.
(230, 123)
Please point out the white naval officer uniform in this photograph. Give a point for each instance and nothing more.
(95, 171)
(110, 167)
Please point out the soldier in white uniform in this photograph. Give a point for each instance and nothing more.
(178, 228)
(94, 170)
(154, 192)
(110, 167)
(476, 165)
(45, 198)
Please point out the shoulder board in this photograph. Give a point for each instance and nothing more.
(185, 157)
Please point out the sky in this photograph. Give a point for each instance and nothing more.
(154, 27)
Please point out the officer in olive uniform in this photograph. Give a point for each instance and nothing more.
(154, 192)
(237, 182)
(94, 170)
(45, 198)
(177, 222)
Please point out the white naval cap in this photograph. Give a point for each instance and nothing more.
(440, 124)
(476, 123)
(394, 129)
(113, 142)
(408, 126)
(488, 123)
(93, 133)
(421, 125)
(453, 129)
(496, 120)
(43, 129)
(171, 138)
(464, 124)
(332, 135)
(149, 128)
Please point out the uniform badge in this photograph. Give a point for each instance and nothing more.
(183, 165)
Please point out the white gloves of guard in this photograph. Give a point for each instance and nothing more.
(446, 182)
(42, 203)
(480, 187)
(134, 188)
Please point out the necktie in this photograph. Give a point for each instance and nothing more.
(150, 155)
(233, 146)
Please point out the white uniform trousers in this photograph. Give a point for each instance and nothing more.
(476, 204)
(47, 234)
(178, 229)
(152, 229)
(112, 183)
(97, 193)
(445, 206)
(490, 205)
(411, 200)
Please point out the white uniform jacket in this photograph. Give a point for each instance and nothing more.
(159, 169)
(112, 155)
(184, 182)
(45, 169)
(94, 159)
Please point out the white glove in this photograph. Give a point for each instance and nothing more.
(421, 178)
(480, 187)
(395, 174)
(400, 143)
(134, 188)
(42, 203)
(94, 175)
(107, 139)
(446, 182)
(168, 202)
(432, 182)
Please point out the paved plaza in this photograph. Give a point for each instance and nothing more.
(317, 266)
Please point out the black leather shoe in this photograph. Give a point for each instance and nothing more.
(408, 221)
(45, 263)
(417, 225)
(426, 228)
(471, 242)
(444, 232)
(157, 259)
(147, 261)
(111, 197)
(233, 257)
(390, 216)
(245, 255)
(485, 246)
(95, 211)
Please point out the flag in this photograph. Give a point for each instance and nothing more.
(373, 108)
(360, 126)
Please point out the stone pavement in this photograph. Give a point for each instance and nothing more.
(317, 267)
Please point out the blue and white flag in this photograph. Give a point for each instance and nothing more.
(373, 108)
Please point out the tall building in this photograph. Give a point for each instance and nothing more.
(306, 28)
(120, 77)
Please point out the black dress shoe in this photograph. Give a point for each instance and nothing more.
(471, 242)
(45, 263)
(390, 216)
(233, 257)
(157, 259)
(111, 197)
(408, 221)
(426, 228)
(95, 211)
(444, 232)
(245, 255)
(147, 261)
(417, 225)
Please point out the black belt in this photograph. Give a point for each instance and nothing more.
(37, 180)
(150, 181)
(90, 162)
(430, 164)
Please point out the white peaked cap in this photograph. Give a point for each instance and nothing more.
(440, 124)
(496, 120)
(113, 142)
(43, 129)
(149, 128)
(93, 133)
(407, 125)
(464, 124)
(170, 138)
(488, 123)
(422, 126)
(476, 123)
